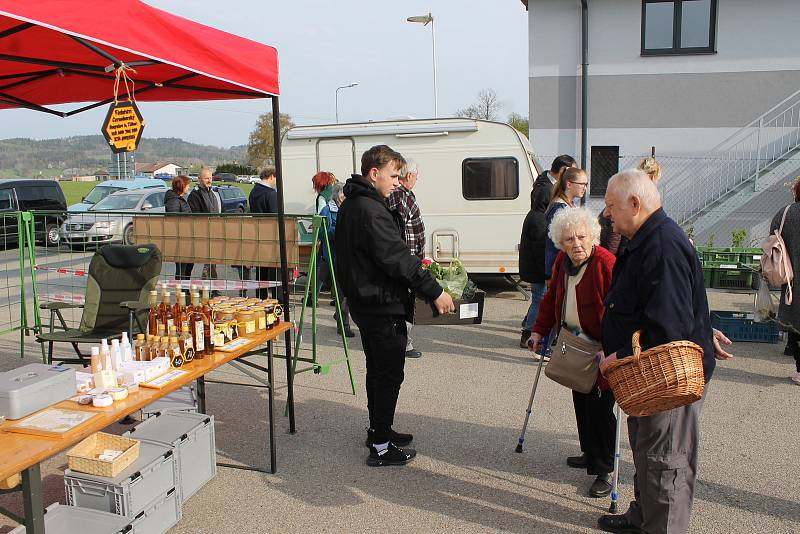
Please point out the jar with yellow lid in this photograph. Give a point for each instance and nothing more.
(261, 316)
(246, 320)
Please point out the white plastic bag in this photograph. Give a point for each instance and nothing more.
(766, 306)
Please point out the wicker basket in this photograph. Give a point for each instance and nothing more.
(658, 379)
(83, 457)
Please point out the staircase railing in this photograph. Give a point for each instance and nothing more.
(743, 157)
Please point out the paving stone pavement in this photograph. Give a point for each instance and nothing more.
(464, 400)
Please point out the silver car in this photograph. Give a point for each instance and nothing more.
(111, 219)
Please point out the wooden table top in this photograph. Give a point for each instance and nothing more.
(20, 451)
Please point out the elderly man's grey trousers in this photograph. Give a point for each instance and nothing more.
(665, 449)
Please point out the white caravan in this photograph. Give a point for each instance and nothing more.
(473, 190)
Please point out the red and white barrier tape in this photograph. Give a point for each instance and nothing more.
(62, 297)
(61, 270)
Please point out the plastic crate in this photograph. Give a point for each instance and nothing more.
(739, 326)
(182, 400)
(160, 516)
(708, 276)
(192, 438)
(62, 519)
(724, 278)
(153, 474)
(751, 256)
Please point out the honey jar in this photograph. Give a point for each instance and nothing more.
(246, 321)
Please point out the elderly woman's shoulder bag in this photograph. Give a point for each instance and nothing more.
(573, 362)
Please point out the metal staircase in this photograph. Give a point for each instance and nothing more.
(748, 161)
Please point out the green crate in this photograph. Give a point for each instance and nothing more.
(731, 279)
(751, 257)
(708, 276)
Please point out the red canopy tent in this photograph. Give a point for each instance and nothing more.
(63, 51)
(69, 51)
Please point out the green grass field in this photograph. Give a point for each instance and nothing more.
(75, 191)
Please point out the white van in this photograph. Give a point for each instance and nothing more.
(474, 186)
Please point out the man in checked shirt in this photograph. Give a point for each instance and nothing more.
(404, 203)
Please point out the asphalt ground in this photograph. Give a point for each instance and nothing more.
(465, 401)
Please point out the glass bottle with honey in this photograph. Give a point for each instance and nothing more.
(152, 318)
(138, 347)
(179, 310)
(208, 325)
(197, 327)
(174, 352)
(168, 316)
(186, 343)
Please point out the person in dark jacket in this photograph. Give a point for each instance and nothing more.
(264, 199)
(376, 273)
(175, 202)
(205, 198)
(534, 234)
(657, 287)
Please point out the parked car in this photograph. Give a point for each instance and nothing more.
(111, 219)
(254, 179)
(233, 199)
(103, 189)
(224, 177)
(26, 195)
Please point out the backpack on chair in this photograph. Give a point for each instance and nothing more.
(776, 268)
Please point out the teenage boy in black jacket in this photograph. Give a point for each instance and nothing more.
(376, 274)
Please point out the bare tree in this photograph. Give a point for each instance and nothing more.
(487, 107)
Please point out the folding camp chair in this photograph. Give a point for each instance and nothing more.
(119, 281)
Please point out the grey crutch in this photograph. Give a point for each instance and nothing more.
(521, 439)
(614, 508)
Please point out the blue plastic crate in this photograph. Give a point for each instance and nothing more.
(739, 326)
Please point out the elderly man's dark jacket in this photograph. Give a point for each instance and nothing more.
(657, 287)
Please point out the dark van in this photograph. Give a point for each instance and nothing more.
(27, 195)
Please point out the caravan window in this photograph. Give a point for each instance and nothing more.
(490, 178)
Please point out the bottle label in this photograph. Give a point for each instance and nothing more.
(176, 358)
(249, 327)
(199, 346)
(262, 323)
(219, 339)
(170, 324)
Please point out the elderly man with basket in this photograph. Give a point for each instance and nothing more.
(657, 301)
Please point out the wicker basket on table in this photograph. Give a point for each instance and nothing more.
(658, 379)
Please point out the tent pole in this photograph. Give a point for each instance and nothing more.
(276, 141)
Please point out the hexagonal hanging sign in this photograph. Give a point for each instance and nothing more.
(123, 127)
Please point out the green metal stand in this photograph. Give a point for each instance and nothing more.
(319, 224)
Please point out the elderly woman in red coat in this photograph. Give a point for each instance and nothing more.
(582, 275)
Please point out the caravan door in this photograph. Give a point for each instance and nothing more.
(337, 155)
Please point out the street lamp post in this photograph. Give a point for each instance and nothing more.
(425, 20)
(337, 97)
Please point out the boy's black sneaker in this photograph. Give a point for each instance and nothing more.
(393, 455)
(401, 440)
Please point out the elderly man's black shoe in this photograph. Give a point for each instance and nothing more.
(393, 455)
(578, 462)
(617, 523)
(398, 438)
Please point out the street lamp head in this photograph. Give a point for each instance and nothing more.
(353, 84)
(421, 19)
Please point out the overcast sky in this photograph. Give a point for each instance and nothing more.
(323, 44)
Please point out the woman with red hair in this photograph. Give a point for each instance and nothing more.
(323, 184)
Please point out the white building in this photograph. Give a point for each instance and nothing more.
(693, 78)
(155, 169)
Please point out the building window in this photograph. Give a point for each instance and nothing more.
(674, 27)
(490, 178)
(604, 165)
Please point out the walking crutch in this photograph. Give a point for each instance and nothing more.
(545, 345)
(614, 508)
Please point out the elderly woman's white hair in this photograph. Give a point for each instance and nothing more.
(577, 220)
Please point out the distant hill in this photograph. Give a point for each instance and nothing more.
(87, 153)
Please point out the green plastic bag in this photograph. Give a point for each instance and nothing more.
(454, 279)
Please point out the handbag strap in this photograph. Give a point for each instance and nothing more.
(564, 302)
(784, 257)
